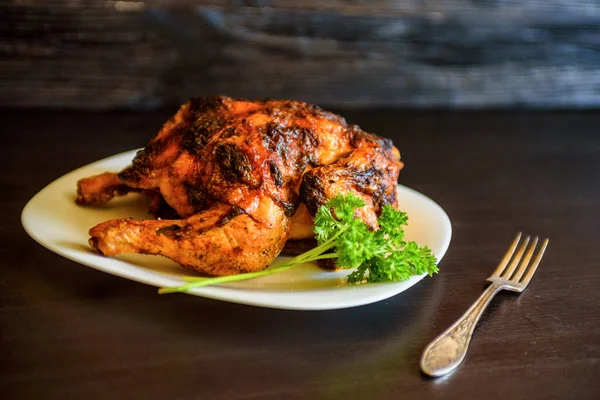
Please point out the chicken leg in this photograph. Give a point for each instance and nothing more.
(218, 241)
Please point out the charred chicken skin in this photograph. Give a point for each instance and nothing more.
(242, 178)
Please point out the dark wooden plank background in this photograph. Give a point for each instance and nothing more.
(411, 53)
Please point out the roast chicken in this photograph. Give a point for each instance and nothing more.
(234, 180)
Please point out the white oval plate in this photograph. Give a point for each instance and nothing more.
(54, 220)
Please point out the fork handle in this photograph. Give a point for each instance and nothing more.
(448, 350)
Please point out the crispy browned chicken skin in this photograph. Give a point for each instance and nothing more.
(242, 176)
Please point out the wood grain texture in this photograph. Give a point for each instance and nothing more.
(70, 332)
(435, 53)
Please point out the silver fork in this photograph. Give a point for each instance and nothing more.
(448, 350)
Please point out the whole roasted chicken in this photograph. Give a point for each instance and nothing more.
(241, 178)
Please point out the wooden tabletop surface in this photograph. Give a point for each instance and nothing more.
(68, 331)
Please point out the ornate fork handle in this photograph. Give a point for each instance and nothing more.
(448, 350)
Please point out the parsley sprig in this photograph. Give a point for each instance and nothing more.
(377, 256)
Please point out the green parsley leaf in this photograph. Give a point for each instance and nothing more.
(355, 245)
(391, 222)
(344, 206)
(325, 225)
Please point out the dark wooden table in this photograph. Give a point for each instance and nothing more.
(68, 331)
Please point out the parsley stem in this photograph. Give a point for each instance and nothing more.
(320, 249)
(194, 282)
(322, 257)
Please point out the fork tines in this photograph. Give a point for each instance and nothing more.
(509, 273)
